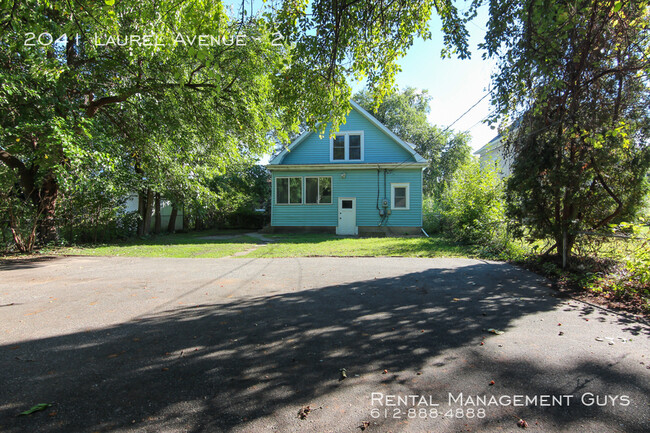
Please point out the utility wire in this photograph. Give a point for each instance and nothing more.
(441, 133)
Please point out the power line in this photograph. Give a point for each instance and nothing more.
(440, 134)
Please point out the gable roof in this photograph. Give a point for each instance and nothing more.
(408, 147)
(492, 144)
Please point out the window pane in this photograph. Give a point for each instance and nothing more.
(355, 146)
(282, 190)
(400, 197)
(311, 190)
(346, 204)
(325, 189)
(339, 147)
(295, 190)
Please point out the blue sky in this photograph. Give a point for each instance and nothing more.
(455, 85)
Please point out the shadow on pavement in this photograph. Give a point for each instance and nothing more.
(213, 367)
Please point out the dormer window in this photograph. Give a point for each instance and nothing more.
(347, 146)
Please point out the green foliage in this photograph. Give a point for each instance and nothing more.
(336, 41)
(574, 75)
(432, 215)
(473, 205)
(405, 113)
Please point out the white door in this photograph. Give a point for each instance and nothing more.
(347, 216)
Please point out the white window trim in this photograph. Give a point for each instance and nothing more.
(346, 146)
(304, 182)
(302, 195)
(392, 195)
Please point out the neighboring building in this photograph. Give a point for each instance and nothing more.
(493, 154)
(364, 180)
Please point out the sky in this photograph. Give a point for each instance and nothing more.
(455, 85)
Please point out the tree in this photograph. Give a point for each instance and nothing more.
(575, 74)
(55, 94)
(336, 40)
(405, 113)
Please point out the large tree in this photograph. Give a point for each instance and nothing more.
(219, 97)
(574, 76)
(406, 114)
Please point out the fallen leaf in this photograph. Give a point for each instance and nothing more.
(385, 372)
(37, 408)
(344, 374)
(303, 412)
(364, 425)
(521, 423)
(493, 331)
(491, 382)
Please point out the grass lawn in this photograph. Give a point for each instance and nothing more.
(176, 245)
(336, 246)
(202, 245)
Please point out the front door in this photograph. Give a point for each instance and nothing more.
(347, 216)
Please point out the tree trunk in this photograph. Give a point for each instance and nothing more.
(158, 220)
(147, 211)
(46, 202)
(141, 212)
(186, 219)
(171, 225)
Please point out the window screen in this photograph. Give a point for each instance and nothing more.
(338, 151)
(325, 189)
(400, 197)
(355, 147)
(311, 190)
(295, 190)
(282, 190)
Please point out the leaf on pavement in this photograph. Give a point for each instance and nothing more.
(37, 408)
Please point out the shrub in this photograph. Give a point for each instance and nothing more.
(473, 208)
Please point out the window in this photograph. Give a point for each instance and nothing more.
(338, 145)
(347, 146)
(288, 190)
(400, 196)
(318, 190)
(354, 147)
(346, 204)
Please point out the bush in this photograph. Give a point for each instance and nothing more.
(473, 208)
(432, 219)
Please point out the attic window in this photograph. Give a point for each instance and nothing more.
(347, 146)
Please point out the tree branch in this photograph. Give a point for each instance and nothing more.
(611, 194)
(94, 105)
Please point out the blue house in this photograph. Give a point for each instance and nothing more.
(364, 180)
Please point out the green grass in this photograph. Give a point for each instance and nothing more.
(314, 245)
(177, 245)
(335, 246)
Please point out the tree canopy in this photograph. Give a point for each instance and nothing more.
(574, 76)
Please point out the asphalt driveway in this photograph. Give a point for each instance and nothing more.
(242, 345)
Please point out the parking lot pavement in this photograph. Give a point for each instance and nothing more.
(249, 345)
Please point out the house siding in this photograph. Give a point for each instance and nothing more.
(378, 148)
(358, 183)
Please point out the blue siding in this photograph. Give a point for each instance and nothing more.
(361, 184)
(378, 147)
